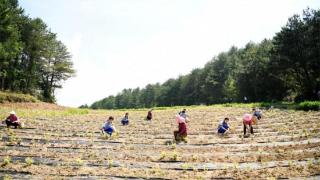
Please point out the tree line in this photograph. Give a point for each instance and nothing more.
(284, 68)
(32, 59)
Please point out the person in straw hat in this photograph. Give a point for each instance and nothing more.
(12, 120)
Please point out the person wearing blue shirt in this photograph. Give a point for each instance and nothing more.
(257, 113)
(125, 119)
(223, 126)
(108, 127)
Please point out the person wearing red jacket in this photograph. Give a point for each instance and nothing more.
(12, 120)
(149, 115)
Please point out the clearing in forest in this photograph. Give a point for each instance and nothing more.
(65, 143)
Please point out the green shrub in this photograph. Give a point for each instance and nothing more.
(309, 105)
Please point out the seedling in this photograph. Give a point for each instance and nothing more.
(47, 138)
(7, 177)
(194, 169)
(12, 138)
(29, 161)
(79, 162)
(205, 168)
(105, 136)
(110, 163)
(163, 155)
(290, 163)
(185, 167)
(200, 178)
(89, 134)
(310, 163)
(173, 146)
(185, 140)
(236, 165)
(175, 156)
(194, 157)
(248, 168)
(6, 161)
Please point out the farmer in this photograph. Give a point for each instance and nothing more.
(181, 134)
(247, 123)
(149, 115)
(257, 113)
(183, 114)
(125, 119)
(13, 120)
(223, 127)
(108, 126)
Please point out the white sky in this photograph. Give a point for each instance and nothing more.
(119, 44)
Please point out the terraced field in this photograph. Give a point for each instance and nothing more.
(69, 146)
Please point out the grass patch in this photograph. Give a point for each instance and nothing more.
(75, 111)
(42, 113)
(16, 97)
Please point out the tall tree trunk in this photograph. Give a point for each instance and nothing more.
(2, 83)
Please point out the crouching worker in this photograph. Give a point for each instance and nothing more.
(125, 119)
(108, 127)
(149, 115)
(13, 120)
(223, 127)
(247, 123)
(257, 113)
(181, 134)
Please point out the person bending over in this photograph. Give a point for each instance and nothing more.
(247, 124)
(223, 127)
(108, 127)
(181, 133)
(149, 115)
(13, 120)
(125, 119)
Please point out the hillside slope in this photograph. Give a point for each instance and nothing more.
(286, 145)
(16, 97)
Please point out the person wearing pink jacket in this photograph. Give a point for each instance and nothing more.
(181, 133)
(247, 123)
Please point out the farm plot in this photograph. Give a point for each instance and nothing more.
(286, 144)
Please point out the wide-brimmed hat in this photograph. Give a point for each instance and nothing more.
(247, 117)
(12, 112)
